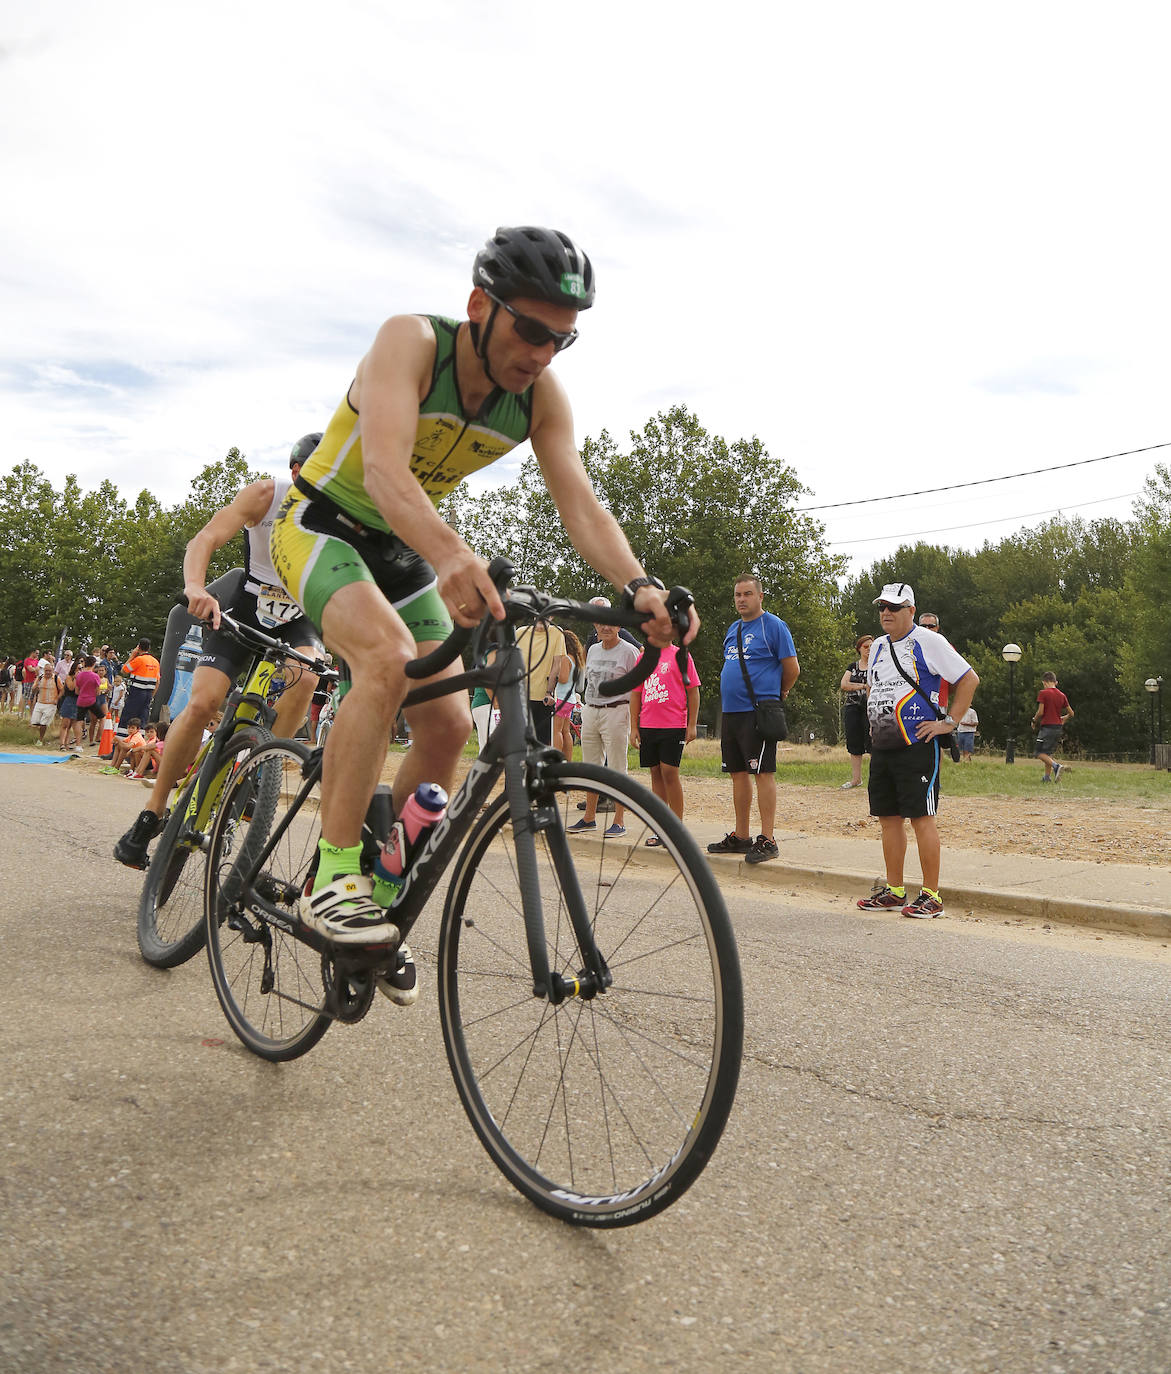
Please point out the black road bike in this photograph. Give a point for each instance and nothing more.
(589, 987)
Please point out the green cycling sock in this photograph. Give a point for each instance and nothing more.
(899, 891)
(336, 863)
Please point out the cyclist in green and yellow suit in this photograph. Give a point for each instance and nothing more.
(362, 548)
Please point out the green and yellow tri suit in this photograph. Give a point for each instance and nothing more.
(329, 532)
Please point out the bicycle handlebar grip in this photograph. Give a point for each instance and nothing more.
(501, 571)
(679, 604)
(645, 666)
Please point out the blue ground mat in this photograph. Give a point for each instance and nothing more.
(36, 758)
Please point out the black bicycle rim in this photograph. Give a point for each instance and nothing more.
(603, 1111)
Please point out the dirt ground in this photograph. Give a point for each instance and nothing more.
(1056, 824)
(1084, 828)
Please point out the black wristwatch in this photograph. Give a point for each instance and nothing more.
(633, 585)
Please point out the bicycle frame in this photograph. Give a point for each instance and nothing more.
(509, 751)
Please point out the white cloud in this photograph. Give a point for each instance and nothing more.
(903, 246)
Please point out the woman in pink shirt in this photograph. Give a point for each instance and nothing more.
(662, 720)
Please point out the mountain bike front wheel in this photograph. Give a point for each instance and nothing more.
(605, 1109)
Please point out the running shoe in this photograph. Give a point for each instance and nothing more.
(730, 844)
(762, 848)
(1057, 767)
(886, 900)
(131, 848)
(345, 912)
(924, 907)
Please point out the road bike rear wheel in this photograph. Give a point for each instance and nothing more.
(269, 984)
(170, 910)
(602, 1110)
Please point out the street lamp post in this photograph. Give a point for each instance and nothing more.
(1011, 653)
(1154, 686)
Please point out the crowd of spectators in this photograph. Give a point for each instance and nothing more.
(68, 700)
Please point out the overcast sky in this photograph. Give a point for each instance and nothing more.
(906, 245)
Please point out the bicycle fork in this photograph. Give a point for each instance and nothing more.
(532, 808)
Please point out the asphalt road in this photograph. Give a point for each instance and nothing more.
(950, 1151)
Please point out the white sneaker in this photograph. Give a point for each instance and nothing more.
(345, 912)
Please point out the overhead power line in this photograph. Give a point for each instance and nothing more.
(983, 481)
(975, 525)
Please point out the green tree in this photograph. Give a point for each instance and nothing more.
(1148, 587)
(26, 577)
(88, 565)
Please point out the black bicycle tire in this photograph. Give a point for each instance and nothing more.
(663, 1186)
(275, 1049)
(166, 867)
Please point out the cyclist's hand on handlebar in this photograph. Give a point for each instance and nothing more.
(658, 629)
(201, 604)
(467, 589)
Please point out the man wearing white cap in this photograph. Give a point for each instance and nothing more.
(908, 667)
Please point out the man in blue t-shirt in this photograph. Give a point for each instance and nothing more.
(771, 663)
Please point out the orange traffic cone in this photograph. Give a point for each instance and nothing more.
(106, 748)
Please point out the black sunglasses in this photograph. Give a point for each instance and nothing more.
(886, 606)
(929, 624)
(532, 331)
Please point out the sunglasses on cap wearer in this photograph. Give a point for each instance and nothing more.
(886, 606)
(532, 331)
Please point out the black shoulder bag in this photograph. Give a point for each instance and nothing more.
(953, 744)
(768, 713)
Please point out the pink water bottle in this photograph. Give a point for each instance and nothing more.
(421, 814)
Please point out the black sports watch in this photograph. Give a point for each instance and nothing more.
(633, 585)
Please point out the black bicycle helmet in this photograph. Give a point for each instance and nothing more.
(543, 264)
(303, 448)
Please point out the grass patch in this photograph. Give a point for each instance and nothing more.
(987, 775)
(17, 735)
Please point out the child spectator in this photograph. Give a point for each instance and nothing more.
(137, 758)
(117, 697)
(148, 758)
(132, 740)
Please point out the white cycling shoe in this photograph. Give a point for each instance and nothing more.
(401, 985)
(346, 913)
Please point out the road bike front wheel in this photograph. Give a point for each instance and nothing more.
(270, 985)
(604, 1109)
(170, 910)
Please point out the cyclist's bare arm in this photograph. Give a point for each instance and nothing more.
(592, 530)
(248, 506)
(391, 381)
